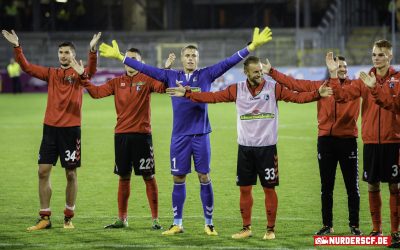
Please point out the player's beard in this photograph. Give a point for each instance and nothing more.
(342, 76)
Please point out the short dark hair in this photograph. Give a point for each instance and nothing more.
(251, 60)
(190, 46)
(67, 44)
(340, 58)
(135, 50)
(383, 44)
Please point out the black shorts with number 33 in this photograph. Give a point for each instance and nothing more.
(133, 150)
(381, 163)
(257, 161)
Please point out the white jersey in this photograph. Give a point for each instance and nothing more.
(257, 116)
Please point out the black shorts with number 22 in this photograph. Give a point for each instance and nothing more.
(134, 150)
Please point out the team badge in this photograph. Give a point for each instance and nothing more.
(122, 84)
(139, 86)
(69, 79)
(266, 97)
(195, 79)
(392, 82)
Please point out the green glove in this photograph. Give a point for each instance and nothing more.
(111, 52)
(260, 38)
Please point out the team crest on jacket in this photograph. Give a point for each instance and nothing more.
(70, 79)
(139, 85)
(123, 84)
(392, 82)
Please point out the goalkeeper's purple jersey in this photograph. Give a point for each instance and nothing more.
(189, 118)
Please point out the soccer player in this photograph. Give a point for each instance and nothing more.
(132, 140)
(62, 121)
(257, 129)
(337, 143)
(191, 127)
(380, 134)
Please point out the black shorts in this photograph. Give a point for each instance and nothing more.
(61, 141)
(261, 161)
(381, 163)
(134, 150)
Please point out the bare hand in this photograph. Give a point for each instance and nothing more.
(170, 60)
(266, 68)
(368, 80)
(177, 91)
(11, 37)
(332, 65)
(78, 67)
(94, 41)
(325, 91)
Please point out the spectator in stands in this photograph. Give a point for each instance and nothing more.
(337, 143)
(61, 128)
(14, 72)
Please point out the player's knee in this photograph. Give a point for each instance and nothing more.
(71, 175)
(148, 177)
(245, 190)
(394, 188)
(373, 187)
(204, 178)
(125, 177)
(43, 173)
(179, 178)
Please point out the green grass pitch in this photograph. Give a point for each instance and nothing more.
(299, 206)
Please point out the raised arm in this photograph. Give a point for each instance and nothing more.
(92, 57)
(113, 52)
(290, 82)
(170, 61)
(96, 92)
(226, 95)
(94, 41)
(259, 38)
(341, 93)
(31, 69)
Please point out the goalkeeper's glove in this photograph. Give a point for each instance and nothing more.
(111, 51)
(260, 38)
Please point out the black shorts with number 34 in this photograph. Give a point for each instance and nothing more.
(61, 141)
(257, 161)
(381, 163)
(133, 150)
